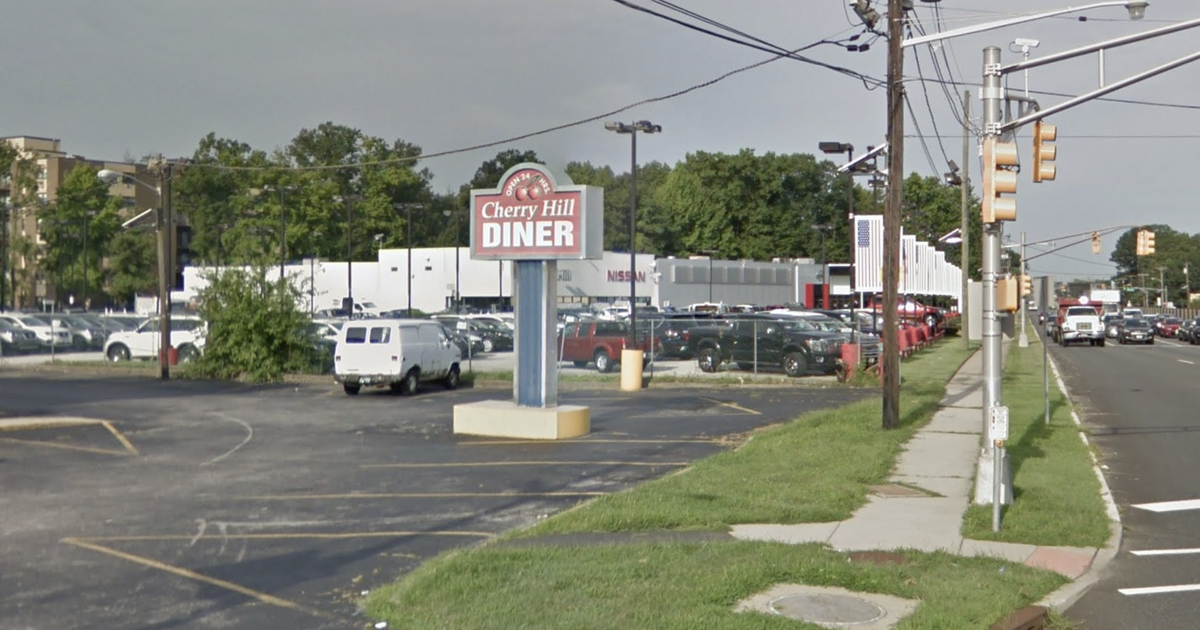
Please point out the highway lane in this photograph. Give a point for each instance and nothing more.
(1139, 403)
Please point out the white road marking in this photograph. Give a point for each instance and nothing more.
(1170, 506)
(1165, 552)
(1155, 590)
(1186, 361)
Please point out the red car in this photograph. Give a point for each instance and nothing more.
(1169, 327)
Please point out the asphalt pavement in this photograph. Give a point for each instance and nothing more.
(133, 503)
(1138, 401)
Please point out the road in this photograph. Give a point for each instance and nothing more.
(129, 503)
(1139, 403)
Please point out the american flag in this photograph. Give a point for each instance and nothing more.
(868, 256)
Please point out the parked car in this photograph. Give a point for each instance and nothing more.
(49, 334)
(600, 343)
(14, 339)
(397, 353)
(674, 331)
(144, 341)
(85, 335)
(1136, 331)
(1190, 331)
(796, 345)
(496, 336)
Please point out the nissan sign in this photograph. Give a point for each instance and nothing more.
(531, 217)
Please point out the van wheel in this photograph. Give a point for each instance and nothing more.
(451, 380)
(707, 360)
(603, 361)
(411, 382)
(795, 364)
(188, 353)
(351, 390)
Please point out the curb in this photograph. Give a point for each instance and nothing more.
(1066, 596)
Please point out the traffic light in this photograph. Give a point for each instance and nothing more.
(1044, 151)
(1145, 242)
(1026, 285)
(1095, 242)
(1006, 295)
(183, 254)
(998, 180)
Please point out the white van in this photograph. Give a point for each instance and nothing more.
(399, 353)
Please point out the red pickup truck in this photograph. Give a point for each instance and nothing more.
(599, 342)
(910, 310)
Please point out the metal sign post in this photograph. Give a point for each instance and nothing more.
(997, 434)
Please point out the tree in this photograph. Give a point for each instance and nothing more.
(1174, 250)
(255, 329)
(131, 270)
(931, 210)
(77, 228)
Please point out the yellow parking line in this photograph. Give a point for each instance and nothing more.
(32, 424)
(417, 495)
(524, 463)
(192, 575)
(588, 441)
(731, 406)
(120, 437)
(70, 447)
(283, 536)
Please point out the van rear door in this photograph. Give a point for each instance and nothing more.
(352, 355)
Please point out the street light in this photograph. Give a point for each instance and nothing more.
(448, 214)
(165, 224)
(644, 126)
(348, 303)
(831, 148)
(282, 225)
(408, 208)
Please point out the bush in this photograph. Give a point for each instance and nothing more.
(255, 328)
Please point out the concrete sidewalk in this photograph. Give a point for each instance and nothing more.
(940, 459)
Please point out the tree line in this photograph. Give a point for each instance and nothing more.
(335, 192)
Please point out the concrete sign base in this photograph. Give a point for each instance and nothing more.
(505, 418)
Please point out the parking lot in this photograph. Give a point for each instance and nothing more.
(131, 503)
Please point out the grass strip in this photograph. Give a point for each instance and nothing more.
(688, 586)
(815, 469)
(1056, 497)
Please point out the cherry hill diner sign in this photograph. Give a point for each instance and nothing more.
(533, 217)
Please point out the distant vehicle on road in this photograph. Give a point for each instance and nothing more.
(1136, 331)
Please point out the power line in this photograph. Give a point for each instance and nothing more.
(929, 106)
(924, 146)
(1096, 136)
(1105, 99)
(869, 82)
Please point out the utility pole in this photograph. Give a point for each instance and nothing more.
(1162, 288)
(1023, 340)
(166, 263)
(891, 215)
(966, 223)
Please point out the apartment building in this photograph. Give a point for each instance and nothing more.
(25, 285)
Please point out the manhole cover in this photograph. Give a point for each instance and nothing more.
(824, 608)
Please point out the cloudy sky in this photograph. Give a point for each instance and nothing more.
(126, 77)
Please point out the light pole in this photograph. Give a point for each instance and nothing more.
(348, 302)
(448, 214)
(710, 253)
(408, 208)
(165, 224)
(848, 149)
(282, 226)
(644, 126)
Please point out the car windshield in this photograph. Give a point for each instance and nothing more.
(1137, 323)
(1084, 311)
(1173, 320)
(33, 321)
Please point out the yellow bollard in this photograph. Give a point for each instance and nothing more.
(631, 370)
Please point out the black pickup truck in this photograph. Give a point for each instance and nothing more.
(773, 341)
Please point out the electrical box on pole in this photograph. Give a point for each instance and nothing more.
(998, 179)
(1044, 152)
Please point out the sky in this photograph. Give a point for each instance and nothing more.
(127, 78)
